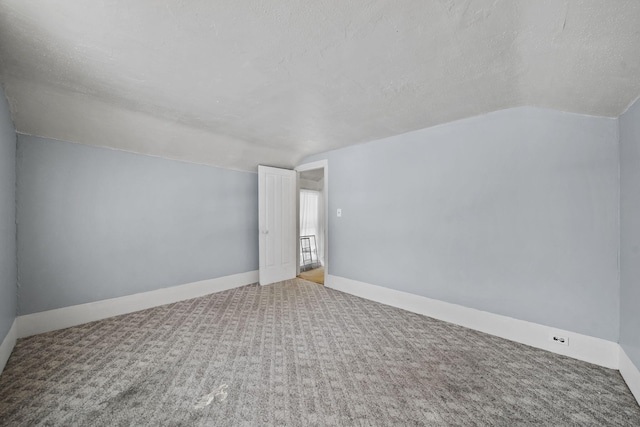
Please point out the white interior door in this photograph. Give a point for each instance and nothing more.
(277, 224)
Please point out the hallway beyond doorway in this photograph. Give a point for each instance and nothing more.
(316, 275)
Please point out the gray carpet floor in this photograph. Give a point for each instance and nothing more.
(296, 353)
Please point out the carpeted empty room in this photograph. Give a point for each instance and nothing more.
(295, 213)
(297, 353)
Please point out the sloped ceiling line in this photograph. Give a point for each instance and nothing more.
(234, 84)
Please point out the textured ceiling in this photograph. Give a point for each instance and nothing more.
(237, 83)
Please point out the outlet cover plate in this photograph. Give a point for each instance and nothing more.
(559, 338)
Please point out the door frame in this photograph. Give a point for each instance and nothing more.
(324, 165)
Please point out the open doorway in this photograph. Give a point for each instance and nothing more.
(312, 222)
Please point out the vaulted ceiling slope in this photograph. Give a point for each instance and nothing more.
(237, 83)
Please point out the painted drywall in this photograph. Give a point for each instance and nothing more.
(514, 212)
(8, 269)
(630, 233)
(96, 223)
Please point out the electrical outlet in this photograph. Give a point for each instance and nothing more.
(559, 339)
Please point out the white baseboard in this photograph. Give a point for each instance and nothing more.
(7, 345)
(583, 347)
(51, 320)
(630, 373)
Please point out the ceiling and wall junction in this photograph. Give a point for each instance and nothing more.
(234, 84)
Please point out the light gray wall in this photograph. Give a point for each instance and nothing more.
(96, 223)
(8, 270)
(630, 232)
(514, 212)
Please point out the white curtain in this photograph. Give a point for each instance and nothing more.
(312, 219)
